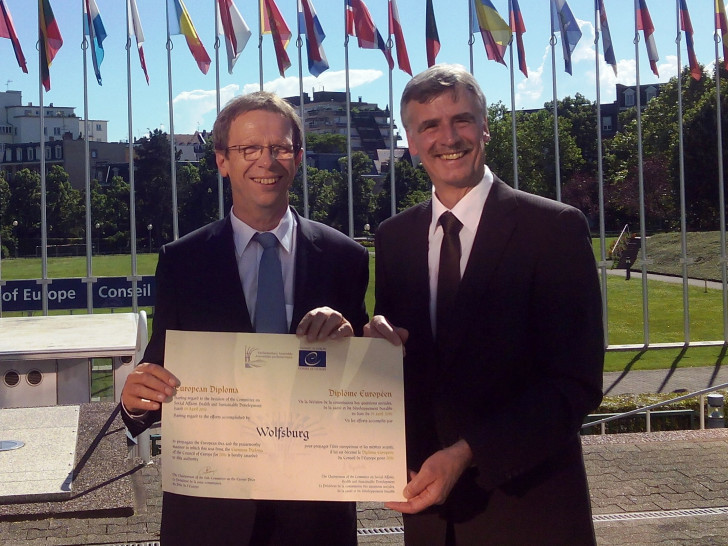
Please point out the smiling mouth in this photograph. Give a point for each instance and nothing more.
(453, 155)
(266, 181)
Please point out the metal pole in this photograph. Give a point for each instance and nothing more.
(220, 194)
(600, 170)
(89, 280)
(132, 201)
(640, 171)
(721, 190)
(683, 227)
(173, 166)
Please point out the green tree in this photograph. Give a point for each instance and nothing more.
(154, 186)
(25, 206)
(362, 190)
(411, 186)
(326, 143)
(64, 207)
(5, 223)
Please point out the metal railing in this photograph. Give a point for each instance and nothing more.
(647, 410)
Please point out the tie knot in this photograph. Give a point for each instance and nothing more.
(266, 240)
(450, 224)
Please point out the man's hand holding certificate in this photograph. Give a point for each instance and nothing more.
(270, 416)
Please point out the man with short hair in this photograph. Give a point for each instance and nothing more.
(209, 281)
(495, 294)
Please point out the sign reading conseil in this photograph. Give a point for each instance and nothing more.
(108, 292)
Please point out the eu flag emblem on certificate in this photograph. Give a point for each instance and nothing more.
(312, 359)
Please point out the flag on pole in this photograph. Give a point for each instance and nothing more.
(135, 29)
(518, 27)
(562, 20)
(359, 23)
(687, 27)
(7, 30)
(180, 23)
(93, 27)
(721, 26)
(50, 40)
(309, 21)
(274, 24)
(395, 28)
(495, 31)
(236, 31)
(432, 39)
(609, 57)
(644, 23)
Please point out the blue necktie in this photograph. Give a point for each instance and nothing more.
(270, 309)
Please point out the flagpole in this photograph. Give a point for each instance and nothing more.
(683, 228)
(513, 120)
(302, 115)
(641, 184)
(471, 38)
(555, 109)
(132, 201)
(43, 216)
(600, 178)
(721, 190)
(89, 280)
(260, 43)
(220, 196)
(350, 184)
(392, 195)
(173, 166)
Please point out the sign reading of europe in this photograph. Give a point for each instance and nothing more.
(26, 295)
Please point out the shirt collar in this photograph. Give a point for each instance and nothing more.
(243, 233)
(469, 209)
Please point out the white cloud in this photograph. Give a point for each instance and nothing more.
(197, 109)
(529, 92)
(330, 81)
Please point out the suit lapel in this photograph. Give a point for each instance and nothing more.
(495, 228)
(227, 277)
(306, 268)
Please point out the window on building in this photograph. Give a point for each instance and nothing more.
(56, 131)
(58, 152)
(606, 123)
(629, 97)
(30, 154)
(47, 152)
(650, 93)
(18, 154)
(98, 126)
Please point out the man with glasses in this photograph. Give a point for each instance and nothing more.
(210, 280)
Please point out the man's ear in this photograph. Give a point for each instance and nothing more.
(221, 160)
(486, 131)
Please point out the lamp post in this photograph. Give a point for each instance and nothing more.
(98, 238)
(149, 229)
(17, 242)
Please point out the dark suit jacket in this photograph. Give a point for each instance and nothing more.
(198, 289)
(515, 372)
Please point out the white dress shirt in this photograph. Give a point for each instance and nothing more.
(468, 210)
(249, 252)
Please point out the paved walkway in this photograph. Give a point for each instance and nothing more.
(646, 489)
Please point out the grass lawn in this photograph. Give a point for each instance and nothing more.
(624, 305)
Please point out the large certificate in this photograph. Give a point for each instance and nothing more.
(271, 416)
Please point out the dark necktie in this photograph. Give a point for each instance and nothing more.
(270, 307)
(448, 277)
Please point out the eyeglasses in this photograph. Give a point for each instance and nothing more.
(251, 153)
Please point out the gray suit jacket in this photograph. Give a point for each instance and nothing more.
(517, 368)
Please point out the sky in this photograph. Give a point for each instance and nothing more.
(194, 94)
